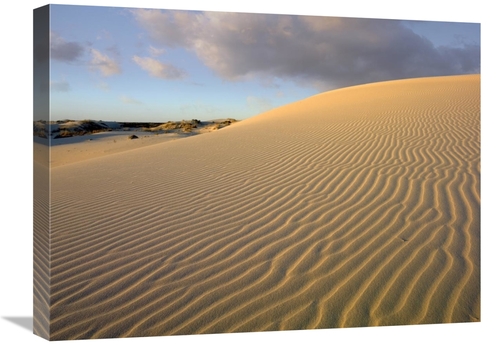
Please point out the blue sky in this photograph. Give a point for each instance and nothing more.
(124, 64)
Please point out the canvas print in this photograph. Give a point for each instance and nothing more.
(202, 172)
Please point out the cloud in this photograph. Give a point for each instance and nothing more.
(129, 100)
(103, 63)
(159, 69)
(64, 51)
(104, 35)
(325, 52)
(59, 86)
(114, 50)
(156, 51)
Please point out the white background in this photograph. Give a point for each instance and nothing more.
(16, 169)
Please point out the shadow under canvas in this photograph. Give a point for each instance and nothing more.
(25, 322)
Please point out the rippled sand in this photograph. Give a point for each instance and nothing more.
(355, 207)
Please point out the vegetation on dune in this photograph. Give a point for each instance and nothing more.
(71, 128)
(81, 128)
(39, 129)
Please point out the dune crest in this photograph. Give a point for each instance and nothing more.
(355, 207)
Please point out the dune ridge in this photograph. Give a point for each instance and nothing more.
(355, 207)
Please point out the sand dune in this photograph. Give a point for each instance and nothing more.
(355, 207)
(105, 138)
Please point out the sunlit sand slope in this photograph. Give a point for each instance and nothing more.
(356, 207)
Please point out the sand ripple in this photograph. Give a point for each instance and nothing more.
(356, 207)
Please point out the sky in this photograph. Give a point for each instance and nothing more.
(133, 64)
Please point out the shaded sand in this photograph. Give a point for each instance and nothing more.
(356, 207)
(41, 238)
(76, 149)
(67, 150)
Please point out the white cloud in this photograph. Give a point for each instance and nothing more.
(156, 51)
(158, 69)
(104, 35)
(103, 63)
(324, 52)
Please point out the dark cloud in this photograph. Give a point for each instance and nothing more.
(462, 59)
(41, 52)
(325, 52)
(62, 50)
(71, 52)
